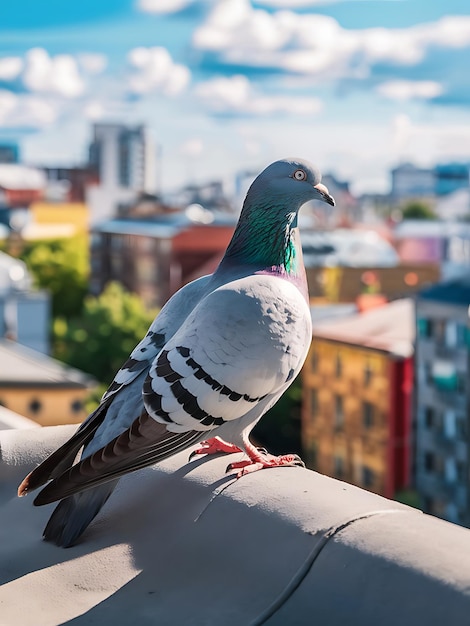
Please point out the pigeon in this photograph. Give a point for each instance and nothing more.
(220, 353)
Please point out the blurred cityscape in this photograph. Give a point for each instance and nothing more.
(383, 401)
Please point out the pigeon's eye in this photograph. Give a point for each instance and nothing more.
(300, 175)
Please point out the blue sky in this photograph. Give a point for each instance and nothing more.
(355, 86)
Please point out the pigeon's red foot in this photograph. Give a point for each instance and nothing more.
(260, 459)
(263, 461)
(215, 446)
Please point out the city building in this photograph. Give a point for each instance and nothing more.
(443, 400)
(451, 177)
(56, 220)
(24, 312)
(40, 388)
(20, 185)
(357, 406)
(429, 242)
(346, 284)
(155, 256)
(410, 181)
(9, 153)
(124, 161)
(68, 184)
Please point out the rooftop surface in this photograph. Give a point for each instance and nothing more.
(389, 328)
(184, 543)
(21, 366)
(450, 292)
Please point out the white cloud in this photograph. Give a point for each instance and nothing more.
(236, 95)
(57, 75)
(10, 68)
(192, 147)
(407, 90)
(316, 44)
(154, 70)
(295, 4)
(162, 6)
(26, 110)
(92, 63)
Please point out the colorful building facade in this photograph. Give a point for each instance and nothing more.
(357, 398)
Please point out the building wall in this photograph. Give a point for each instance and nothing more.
(349, 429)
(442, 409)
(344, 284)
(155, 268)
(44, 405)
(75, 213)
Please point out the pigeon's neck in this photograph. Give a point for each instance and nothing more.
(262, 241)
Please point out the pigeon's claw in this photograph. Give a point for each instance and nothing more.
(215, 445)
(262, 461)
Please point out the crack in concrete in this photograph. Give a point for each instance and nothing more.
(304, 570)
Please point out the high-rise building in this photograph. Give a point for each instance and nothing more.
(9, 153)
(124, 160)
(443, 400)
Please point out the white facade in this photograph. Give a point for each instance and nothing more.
(125, 161)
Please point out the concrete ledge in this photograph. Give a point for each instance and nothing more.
(185, 544)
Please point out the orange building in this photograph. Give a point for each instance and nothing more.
(356, 409)
(41, 388)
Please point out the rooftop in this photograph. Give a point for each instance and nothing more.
(185, 543)
(165, 226)
(388, 328)
(11, 420)
(15, 176)
(21, 367)
(452, 291)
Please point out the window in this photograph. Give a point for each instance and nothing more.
(313, 402)
(339, 413)
(439, 331)
(367, 414)
(76, 406)
(368, 477)
(314, 360)
(367, 374)
(424, 327)
(429, 462)
(35, 406)
(338, 366)
(429, 418)
(451, 334)
(461, 427)
(461, 472)
(338, 466)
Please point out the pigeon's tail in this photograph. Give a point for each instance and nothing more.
(73, 515)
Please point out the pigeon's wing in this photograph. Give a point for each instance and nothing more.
(141, 358)
(245, 342)
(162, 328)
(145, 443)
(240, 347)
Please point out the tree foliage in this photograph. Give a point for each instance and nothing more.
(62, 267)
(418, 211)
(279, 431)
(100, 340)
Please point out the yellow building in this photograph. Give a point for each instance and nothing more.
(41, 388)
(57, 219)
(356, 409)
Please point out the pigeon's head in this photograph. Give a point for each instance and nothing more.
(292, 181)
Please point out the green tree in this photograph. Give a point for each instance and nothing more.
(100, 340)
(62, 267)
(279, 430)
(416, 210)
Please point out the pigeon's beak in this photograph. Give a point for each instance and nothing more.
(324, 194)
